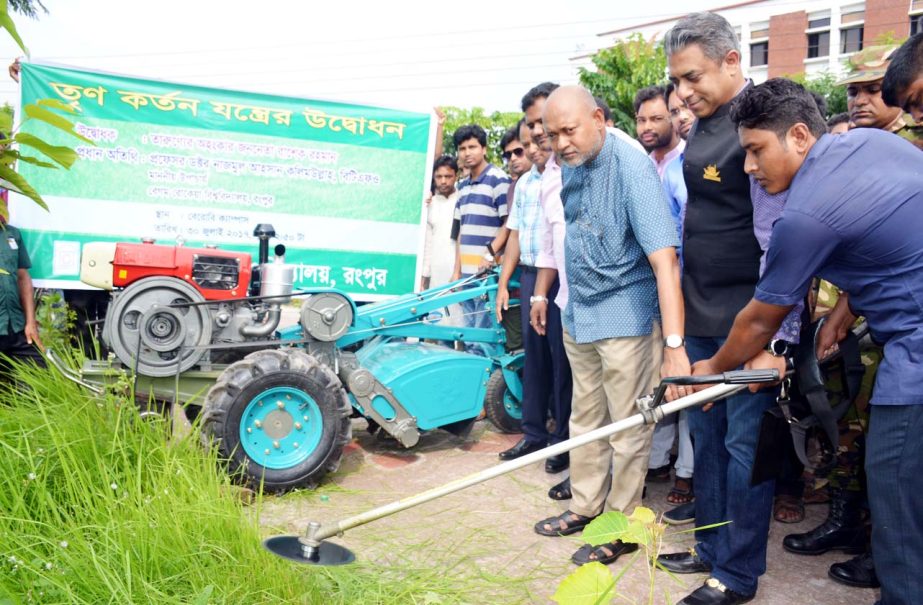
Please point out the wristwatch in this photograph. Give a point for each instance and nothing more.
(778, 347)
(535, 299)
(490, 257)
(674, 341)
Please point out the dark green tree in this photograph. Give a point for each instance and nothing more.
(824, 84)
(621, 70)
(495, 124)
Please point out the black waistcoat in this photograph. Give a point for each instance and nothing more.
(720, 253)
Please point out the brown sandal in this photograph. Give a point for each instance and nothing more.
(682, 492)
(788, 509)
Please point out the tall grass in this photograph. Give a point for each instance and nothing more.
(99, 506)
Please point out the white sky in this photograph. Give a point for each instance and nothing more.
(409, 55)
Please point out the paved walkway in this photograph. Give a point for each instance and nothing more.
(483, 535)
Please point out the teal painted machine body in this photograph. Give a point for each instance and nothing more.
(440, 385)
(435, 384)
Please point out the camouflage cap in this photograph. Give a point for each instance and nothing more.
(869, 64)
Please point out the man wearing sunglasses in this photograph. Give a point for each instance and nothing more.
(514, 156)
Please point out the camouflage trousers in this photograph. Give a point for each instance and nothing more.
(849, 471)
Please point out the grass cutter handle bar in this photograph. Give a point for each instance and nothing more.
(734, 377)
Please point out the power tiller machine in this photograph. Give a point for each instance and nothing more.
(201, 327)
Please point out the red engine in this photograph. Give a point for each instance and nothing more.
(216, 274)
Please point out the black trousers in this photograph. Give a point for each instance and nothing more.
(547, 383)
(17, 348)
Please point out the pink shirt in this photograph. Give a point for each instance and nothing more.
(673, 153)
(553, 228)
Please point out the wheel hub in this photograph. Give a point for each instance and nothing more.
(280, 427)
(279, 424)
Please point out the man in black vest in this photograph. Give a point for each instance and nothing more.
(721, 267)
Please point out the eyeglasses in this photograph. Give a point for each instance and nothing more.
(518, 152)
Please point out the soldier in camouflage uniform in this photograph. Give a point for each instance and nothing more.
(866, 106)
(845, 528)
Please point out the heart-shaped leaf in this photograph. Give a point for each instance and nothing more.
(608, 527)
(591, 584)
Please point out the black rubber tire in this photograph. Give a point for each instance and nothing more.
(242, 381)
(494, 405)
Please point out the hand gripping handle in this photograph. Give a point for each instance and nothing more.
(734, 377)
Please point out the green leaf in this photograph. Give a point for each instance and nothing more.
(6, 122)
(53, 119)
(637, 533)
(65, 156)
(644, 515)
(7, 23)
(28, 159)
(590, 584)
(608, 527)
(13, 181)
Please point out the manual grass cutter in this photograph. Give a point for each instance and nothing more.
(313, 548)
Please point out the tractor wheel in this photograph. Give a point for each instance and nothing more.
(279, 418)
(502, 407)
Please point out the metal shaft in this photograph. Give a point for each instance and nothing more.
(710, 394)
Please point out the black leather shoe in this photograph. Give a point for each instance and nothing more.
(843, 530)
(684, 562)
(521, 449)
(714, 592)
(858, 571)
(561, 491)
(558, 463)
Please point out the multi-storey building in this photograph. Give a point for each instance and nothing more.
(785, 37)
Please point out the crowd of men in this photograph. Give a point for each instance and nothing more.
(693, 249)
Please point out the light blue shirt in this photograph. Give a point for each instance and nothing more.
(526, 216)
(616, 215)
(674, 185)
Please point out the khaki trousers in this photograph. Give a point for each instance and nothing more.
(609, 375)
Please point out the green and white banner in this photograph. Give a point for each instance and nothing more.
(342, 184)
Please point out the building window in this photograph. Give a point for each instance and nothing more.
(818, 45)
(916, 24)
(851, 39)
(759, 54)
(818, 35)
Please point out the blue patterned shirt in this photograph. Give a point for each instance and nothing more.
(526, 216)
(616, 215)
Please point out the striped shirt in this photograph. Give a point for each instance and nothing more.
(480, 212)
(526, 216)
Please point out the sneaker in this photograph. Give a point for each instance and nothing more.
(682, 514)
